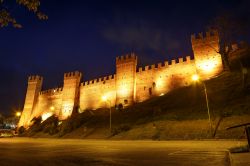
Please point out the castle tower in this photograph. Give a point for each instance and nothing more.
(70, 94)
(207, 59)
(33, 89)
(125, 79)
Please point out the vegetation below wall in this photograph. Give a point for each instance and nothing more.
(180, 114)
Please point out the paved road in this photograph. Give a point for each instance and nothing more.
(72, 152)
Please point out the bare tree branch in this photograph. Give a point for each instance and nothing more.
(7, 19)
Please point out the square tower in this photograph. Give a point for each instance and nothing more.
(206, 54)
(70, 94)
(125, 79)
(33, 89)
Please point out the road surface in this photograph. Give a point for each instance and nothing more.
(74, 152)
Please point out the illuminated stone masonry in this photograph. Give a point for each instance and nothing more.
(128, 85)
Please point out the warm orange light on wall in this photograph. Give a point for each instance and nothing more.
(159, 83)
(52, 108)
(67, 109)
(208, 66)
(104, 98)
(195, 77)
(46, 115)
(123, 91)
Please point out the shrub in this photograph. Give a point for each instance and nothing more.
(21, 130)
(50, 125)
(36, 127)
(74, 122)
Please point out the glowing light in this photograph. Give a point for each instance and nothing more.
(18, 114)
(195, 77)
(208, 66)
(161, 94)
(123, 91)
(46, 115)
(67, 108)
(104, 98)
(52, 108)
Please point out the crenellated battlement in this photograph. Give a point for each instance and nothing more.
(98, 80)
(72, 74)
(35, 78)
(203, 37)
(206, 53)
(166, 64)
(51, 91)
(128, 85)
(126, 58)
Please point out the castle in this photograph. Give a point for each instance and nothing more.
(127, 86)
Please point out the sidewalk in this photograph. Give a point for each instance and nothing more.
(240, 159)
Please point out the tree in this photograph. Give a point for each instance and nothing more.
(6, 17)
(230, 29)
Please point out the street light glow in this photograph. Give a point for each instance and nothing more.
(18, 114)
(104, 98)
(195, 77)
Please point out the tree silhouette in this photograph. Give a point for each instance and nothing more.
(230, 28)
(6, 17)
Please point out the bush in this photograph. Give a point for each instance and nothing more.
(21, 130)
(50, 125)
(74, 122)
(36, 127)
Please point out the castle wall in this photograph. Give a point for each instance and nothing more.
(158, 80)
(126, 86)
(70, 94)
(206, 52)
(125, 79)
(92, 93)
(49, 103)
(33, 89)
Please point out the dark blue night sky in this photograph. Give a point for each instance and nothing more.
(88, 35)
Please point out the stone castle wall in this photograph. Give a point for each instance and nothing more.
(49, 102)
(91, 93)
(206, 50)
(128, 85)
(158, 80)
(33, 89)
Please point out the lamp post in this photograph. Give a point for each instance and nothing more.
(196, 78)
(105, 99)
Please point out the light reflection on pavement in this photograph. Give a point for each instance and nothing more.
(73, 152)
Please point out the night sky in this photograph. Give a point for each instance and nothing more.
(88, 35)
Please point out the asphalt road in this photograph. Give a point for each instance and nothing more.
(72, 152)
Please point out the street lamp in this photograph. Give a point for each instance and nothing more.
(196, 78)
(105, 99)
(18, 114)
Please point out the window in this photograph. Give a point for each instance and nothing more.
(150, 91)
(154, 84)
(125, 101)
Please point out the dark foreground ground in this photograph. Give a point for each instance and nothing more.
(71, 152)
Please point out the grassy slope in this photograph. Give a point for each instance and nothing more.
(180, 114)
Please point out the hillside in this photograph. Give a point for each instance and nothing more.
(180, 114)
